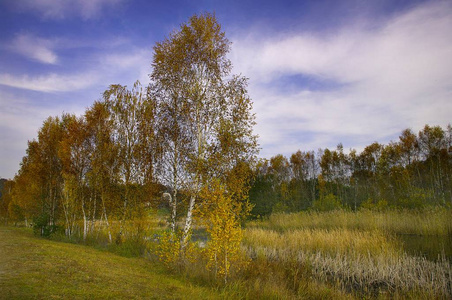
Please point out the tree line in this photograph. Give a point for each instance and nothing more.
(413, 172)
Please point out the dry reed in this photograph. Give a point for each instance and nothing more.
(429, 221)
(356, 252)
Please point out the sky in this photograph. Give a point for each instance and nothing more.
(320, 72)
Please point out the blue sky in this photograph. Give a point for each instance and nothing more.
(321, 72)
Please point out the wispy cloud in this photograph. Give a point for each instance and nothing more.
(91, 8)
(50, 82)
(108, 67)
(60, 9)
(34, 48)
(23, 113)
(129, 66)
(379, 80)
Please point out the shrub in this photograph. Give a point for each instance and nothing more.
(221, 216)
(327, 203)
(370, 204)
(42, 227)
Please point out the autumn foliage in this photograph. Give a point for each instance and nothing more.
(187, 135)
(222, 217)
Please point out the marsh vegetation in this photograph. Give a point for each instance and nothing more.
(364, 253)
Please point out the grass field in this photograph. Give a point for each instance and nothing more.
(35, 268)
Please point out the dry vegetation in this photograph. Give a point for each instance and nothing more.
(363, 263)
(430, 221)
(356, 253)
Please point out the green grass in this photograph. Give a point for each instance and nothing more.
(35, 268)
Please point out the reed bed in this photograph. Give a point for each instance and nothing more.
(429, 221)
(365, 275)
(363, 262)
(334, 241)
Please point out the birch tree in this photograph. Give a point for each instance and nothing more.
(75, 157)
(103, 172)
(49, 138)
(205, 125)
(133, 134)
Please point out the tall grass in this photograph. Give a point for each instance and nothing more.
(359, 274)
(355, 252)
(335, 241)
(429, 221)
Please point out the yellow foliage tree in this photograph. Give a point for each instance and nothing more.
(221, 215)
(169, 253)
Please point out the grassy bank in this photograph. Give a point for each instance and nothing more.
(35, 268)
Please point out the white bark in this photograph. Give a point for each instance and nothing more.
(173, 205)
(188, 222)
(85, 224)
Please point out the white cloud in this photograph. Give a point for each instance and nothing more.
(60, 9)
(109, 67)
(353, 53)
(50, 82)
(20, 120)
(133, 65)
(35, 48)
(379, 81)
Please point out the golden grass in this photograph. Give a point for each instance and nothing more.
(356, 253)
(335, 241)
(429, 221)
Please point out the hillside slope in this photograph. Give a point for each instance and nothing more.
(32, 267)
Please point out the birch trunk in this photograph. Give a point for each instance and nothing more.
(188, 222)
(85, 225)
(173, 204)
(108, 225)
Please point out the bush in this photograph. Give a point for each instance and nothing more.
(42, 227)
(370, 204)
(327, 203)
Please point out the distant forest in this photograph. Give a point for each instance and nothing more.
(413, 172)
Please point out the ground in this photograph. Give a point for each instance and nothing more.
(32, 267)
